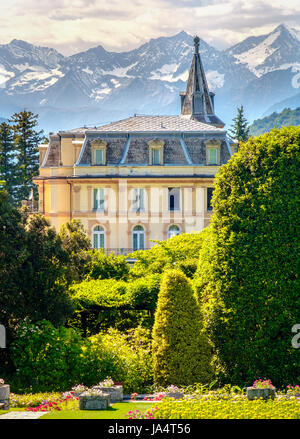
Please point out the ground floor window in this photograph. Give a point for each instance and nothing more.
(98, 237)
(138, 238)
(209, 197)
(173, 231)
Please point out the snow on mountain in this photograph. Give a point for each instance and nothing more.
(270, 52)
(98, 86)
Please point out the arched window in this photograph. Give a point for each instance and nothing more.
(138, 238)
(173, 231)
(98, 237)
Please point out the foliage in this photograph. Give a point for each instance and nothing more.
(166, 254)
(111, 293)
(46, 358)
(248, 278)
(207, 408)
(101, 266)
(87, 263)
(7, 165)
(125, 357)
(26, 140)
(33, 399)
(76, 243)
(287, 117)
(32, 265)
(55, 359)
(181, 352)
(239, 129)
(94, 320)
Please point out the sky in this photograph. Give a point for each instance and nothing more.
(72, 26)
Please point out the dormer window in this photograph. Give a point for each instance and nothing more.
(212, 156)
(99, 157)
(156, 149)
(155, 156)
(98, 152)
(213, 152)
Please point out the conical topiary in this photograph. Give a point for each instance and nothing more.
(181, 351)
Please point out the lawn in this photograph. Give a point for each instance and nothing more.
(116, 411)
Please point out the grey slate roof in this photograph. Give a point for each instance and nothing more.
(161, 124)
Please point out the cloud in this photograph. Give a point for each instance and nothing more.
(75, 25)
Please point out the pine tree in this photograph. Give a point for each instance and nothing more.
(239, 129)
(26, 140)
(7, 165)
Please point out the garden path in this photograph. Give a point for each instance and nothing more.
(22, 415)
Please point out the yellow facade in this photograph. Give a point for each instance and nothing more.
(66, 192)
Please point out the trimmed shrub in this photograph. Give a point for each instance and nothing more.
(248, 276)
(181, 351)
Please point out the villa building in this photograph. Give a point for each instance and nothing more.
(139, 179)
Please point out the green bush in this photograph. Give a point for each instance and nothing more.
(126, 357)
(55, 359)
(188, 266)
(46, 358)
(181, 351)
(111, 293)
(165, 254)
(248, 276)
(100, 266)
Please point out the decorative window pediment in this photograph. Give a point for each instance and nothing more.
(98, 152)
(156, 152)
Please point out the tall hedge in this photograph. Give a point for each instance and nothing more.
(248, 274)
(181, 352)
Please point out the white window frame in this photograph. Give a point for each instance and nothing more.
(98, 234)
(138, 199)
(172, 233)
(138, 233)
(100, 191)
(169, 199)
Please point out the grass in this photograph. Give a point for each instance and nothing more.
(116, 411)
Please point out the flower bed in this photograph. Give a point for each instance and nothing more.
(239, 408)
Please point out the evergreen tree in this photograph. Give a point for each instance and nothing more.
(26, 140)
(181, 351)
(7, 165)
(239, 129)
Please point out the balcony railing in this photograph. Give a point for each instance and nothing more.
(32, 205)
(120, 251)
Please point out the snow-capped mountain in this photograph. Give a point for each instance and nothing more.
(97, 86)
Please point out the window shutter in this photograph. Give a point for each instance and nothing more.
(155, 156)
(142, 241)
(101, 240)
(95, 199)
(213, 156)
(141, 199)
(99, 156)
(135, 243)
(95, 240)
(101, 199)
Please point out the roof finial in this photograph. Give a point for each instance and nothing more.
(196, 43)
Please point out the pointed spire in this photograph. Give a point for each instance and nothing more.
(197, 101)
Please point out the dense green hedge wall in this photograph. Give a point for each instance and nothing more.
(248, 277)
(111, 293)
